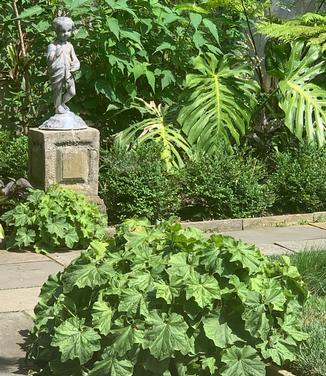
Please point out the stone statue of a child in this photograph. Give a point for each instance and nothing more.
(62, 62)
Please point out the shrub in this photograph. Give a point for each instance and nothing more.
(299, 180)
(160, 300)
(54, 219)
(13, 156)
(225, 186)
(135, 183)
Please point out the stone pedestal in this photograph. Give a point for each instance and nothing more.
(67, 158)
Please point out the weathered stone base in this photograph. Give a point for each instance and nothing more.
(67, 158)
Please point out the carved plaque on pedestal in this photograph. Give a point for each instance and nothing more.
(67, 158)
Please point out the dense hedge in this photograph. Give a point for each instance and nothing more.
(136, 183)
(299, 180)
(225, 186)
(13, 156)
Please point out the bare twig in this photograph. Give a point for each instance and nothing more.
(19, 28)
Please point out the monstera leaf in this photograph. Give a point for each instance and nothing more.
(220, 103)
(160, 129)
(304, 102)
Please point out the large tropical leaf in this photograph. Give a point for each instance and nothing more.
(159, 129)
(220, 103)
(304, 102)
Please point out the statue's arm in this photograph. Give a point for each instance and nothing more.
(75, 64)
(51, 54)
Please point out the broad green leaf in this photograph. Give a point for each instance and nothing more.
(165, 291)
(166, 334)
(210, 364)
(195, 19)
(140, 281)
(220, 333)
(75, 340)
(82, 276)
(101, 317)
(57, 227)
(165, 46)
(212, 28)
(75, 4)
(256, 321)
(243, 361)
(113, 25)
(125, 338)
(112, 366)
(203, 288)
(198, 39)
(290, 325)
(150, 79)
(220, 103)
(35, 10)
(2, 232)
(133, 302)
(24, 237)
(71, 238)
(247, 255)
(136, 238)
(82, 33)
(168, 77)
(279, 349)
(304, 102)
(131, 35)
(212, 260)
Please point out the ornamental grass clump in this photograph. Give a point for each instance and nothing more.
(162, 300)
(56, 219)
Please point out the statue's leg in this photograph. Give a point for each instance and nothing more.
(71, 92)
(57, 96)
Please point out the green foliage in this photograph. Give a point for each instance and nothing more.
(54, 219)
(128, 49)
(299, 180)
(2, 233)
(311, 359)
(303, 102)
(225, 186)
(161, 129)
(312, 267)
(13, 156)
(160, 300)
(220, 104)
(310, 28)
(136, 183)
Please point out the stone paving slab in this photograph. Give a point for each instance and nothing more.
(304, 245)
(273, 250)
(13, 300)
(63, 258)
(10, 257)
(321, 225)
(278, 234)
(14, 328)
(29, 274)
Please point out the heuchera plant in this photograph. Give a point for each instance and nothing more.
(58, 218)
(162, 300)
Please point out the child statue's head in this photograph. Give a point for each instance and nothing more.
(63, 26)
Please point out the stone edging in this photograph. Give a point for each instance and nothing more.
(240, 224)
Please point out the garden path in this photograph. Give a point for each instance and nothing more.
(23, 273)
